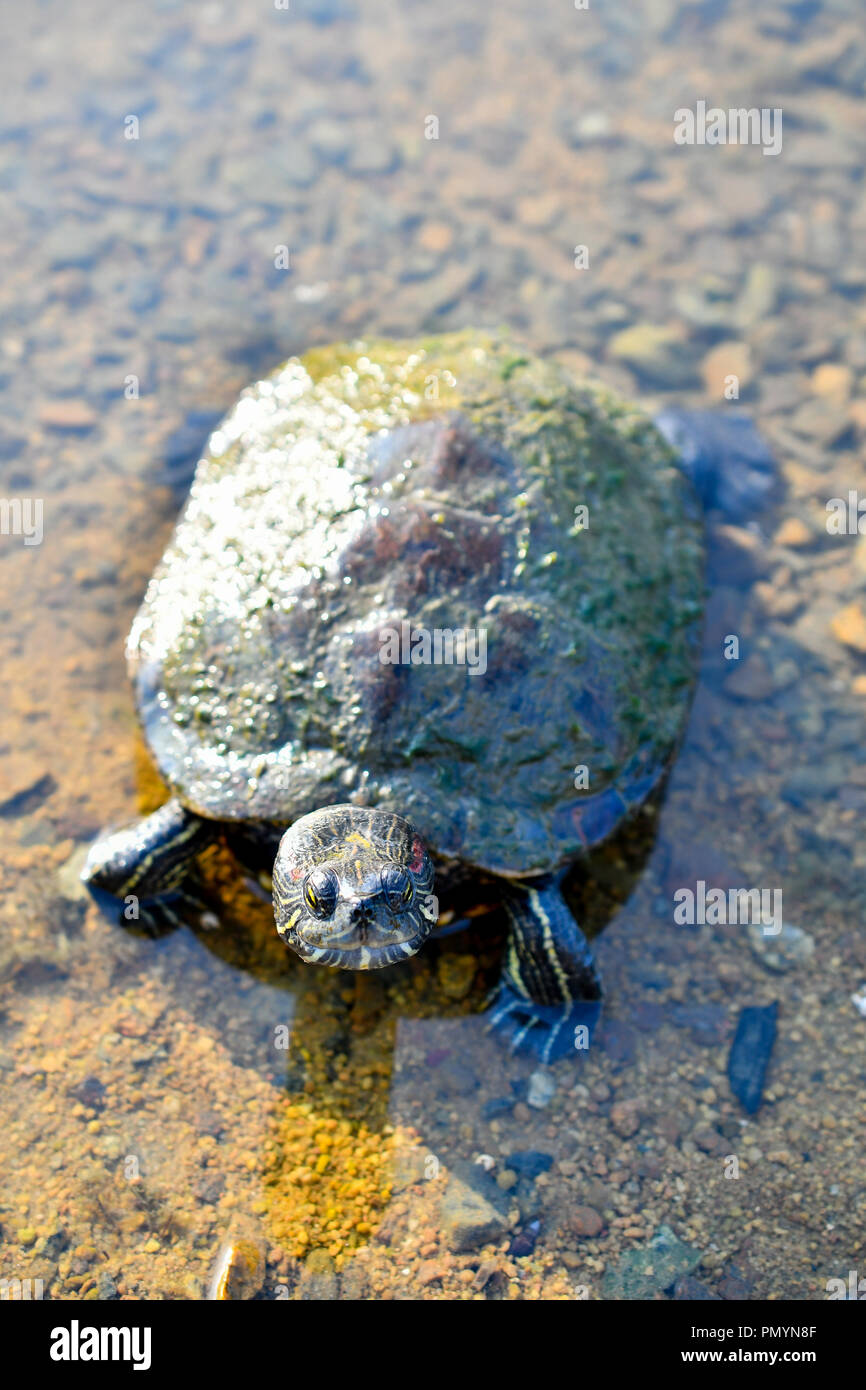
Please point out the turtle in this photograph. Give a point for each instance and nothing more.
(431, 612)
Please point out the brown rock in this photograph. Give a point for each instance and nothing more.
(485, 1272)
(832, 381)
(849, 626)
(431, 1271)
(793, 532)
(725, 360)
(435, 236)
(753, 680)
(586, 1222)
(539, 210)
(709, 1141)
(776, 601)
(625, 1118)
(467, 1218)
(597, 1194)
(660, 354)
(73, 415)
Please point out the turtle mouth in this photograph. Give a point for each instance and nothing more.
(367, 946)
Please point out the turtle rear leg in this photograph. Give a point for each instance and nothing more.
(149, 862)
(550, 986)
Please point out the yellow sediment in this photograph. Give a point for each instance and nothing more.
(329, 1182)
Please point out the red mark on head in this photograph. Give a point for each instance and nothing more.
(296, 873)
(417, 855)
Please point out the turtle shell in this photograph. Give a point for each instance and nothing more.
(439, 577)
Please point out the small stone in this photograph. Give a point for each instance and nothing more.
(497, 1107)
(858, 999)
(468, 1219)
(660, 355)
(26, 1235)
(530, 1163)
(752, 680)
(373, 155)
(69, 876)
(435, 237)
(210, 1188)
(651, 1268)
(27, 795)
(624, 1118)
(456, 1079)
(74, 416)
(793, 532)
(484, 1273)
(431, 1272)
(758, 296)
(832, 381)
(689, 1288)
(782, 951)
(709, 1141)
(525, 1241)
(586, 1222)
(540, 1090)
(849, 626)
(723, 361)
(105, 1286)
(734, 1286)
(750, 1052)
(90, 1093)
(506, 1178)
(456, 975)
(318, 1281)
(238, 1272)
(539, 210)
(330, 140)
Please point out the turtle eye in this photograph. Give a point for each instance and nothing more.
(321, 890)
(398, 889)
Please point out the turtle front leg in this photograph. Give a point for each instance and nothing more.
(549, 997)
(145, 864)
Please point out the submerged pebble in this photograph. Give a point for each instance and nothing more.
(750, 1052)
(651, 1268)
(238, 1272)
(468, 1219)
(541, 1089)
(791, 947)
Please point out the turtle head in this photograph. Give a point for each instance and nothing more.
(353, 887)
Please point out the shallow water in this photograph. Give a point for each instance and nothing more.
(161, 1096)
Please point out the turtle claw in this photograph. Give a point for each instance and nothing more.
(546, 1031)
